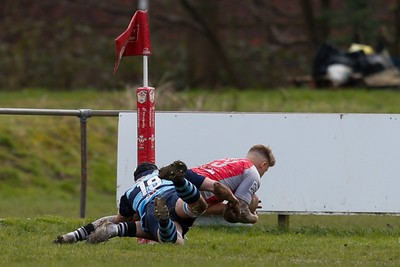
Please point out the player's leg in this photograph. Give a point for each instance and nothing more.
(109, 230)
(168, 230)
(191, 204)
(189, 193)
(124, 224)
(156, 224)
(83, 232)
(190, 211)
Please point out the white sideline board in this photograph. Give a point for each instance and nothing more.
(325, 163)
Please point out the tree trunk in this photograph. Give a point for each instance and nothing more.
(202, 65)
(309, 22)
(396, 45)
(325, 24)
(210, 53)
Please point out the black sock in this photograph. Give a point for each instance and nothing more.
(83, 232)
(127, 229)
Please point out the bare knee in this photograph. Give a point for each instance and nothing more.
(200, 207)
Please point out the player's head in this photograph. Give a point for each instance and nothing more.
(143, 169)
(261, 156)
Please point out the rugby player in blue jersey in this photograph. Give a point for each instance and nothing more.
(166, 208)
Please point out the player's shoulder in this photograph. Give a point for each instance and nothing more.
(245, 162)
(236, 160)
(252, 173)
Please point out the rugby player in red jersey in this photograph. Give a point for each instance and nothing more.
(241, 175)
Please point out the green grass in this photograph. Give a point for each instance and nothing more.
(40, 187)
(296, 100)
(27, 242)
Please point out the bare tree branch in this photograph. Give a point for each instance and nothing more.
(209, 34)
(178, 21)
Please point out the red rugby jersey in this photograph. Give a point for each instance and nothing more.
(238, 174)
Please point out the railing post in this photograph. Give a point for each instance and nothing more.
(283, 221)
(84, 115)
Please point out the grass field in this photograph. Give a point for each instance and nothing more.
(27, 242)
(40, 187)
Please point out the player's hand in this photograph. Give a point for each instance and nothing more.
(255, 204)
(229, 215)
(234, 206)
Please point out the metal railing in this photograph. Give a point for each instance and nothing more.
(83, 115)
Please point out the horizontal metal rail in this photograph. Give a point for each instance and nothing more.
(83, 114)
(62, 112)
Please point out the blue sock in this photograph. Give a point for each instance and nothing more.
(188, 192)
(168, 231)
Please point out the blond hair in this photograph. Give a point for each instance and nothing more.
(263, 151)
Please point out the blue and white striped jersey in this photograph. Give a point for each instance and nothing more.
(145, 190)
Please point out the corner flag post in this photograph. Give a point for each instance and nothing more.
(145, 110)
(135, 41)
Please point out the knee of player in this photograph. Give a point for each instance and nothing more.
(203, 204)
(195, 209)
(180, 240)
(170, 234)
(200, 207)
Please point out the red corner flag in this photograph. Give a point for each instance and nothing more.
(135, 40)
